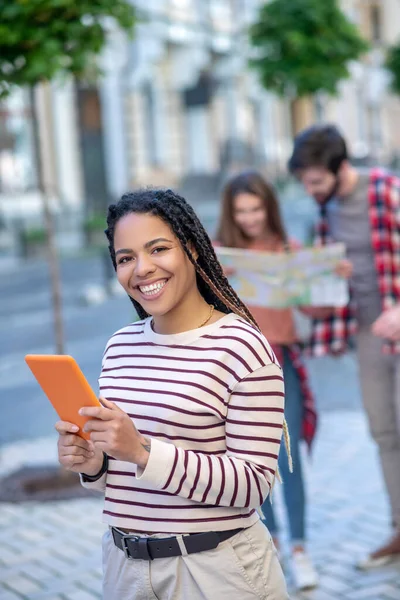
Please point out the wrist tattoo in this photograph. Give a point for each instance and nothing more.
(147, 445)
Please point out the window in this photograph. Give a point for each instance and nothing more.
(17, 172)
(376, 23)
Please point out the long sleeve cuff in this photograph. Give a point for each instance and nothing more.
(99, 485)
(160, 464)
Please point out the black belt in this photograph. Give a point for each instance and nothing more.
(145, 548)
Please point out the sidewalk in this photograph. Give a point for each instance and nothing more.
(52, 551)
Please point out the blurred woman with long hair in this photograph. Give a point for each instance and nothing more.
(251, 219)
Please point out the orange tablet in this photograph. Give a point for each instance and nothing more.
(65, 386)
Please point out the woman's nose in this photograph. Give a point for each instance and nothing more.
(144, 265)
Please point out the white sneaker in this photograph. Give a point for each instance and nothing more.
(369, 563)
(304, 574)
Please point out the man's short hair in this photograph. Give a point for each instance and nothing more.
(318, 146)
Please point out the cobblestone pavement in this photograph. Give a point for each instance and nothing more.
(51, 551)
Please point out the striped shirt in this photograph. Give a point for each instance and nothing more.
(211, 400)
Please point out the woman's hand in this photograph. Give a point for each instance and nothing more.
(387, 326)
(76, 454)
(344, 269)
(113, 432)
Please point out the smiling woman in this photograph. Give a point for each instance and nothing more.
(185, 445)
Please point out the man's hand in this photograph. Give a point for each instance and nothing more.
(76, 454)
(387, 326)
(344, 269)
(113, 432)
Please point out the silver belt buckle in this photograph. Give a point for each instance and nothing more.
(125, 548)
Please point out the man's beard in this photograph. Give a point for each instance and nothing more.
(322, 200)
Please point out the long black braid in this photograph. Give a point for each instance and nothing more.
(184, 223)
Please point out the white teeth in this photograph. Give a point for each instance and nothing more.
(154, 288)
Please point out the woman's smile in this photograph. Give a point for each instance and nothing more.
(152, 291)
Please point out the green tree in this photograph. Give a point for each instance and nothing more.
(392, 64)
(39, 41)
(303, 47)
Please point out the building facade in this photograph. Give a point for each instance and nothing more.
(178, 105)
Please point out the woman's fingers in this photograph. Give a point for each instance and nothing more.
(70, 460)
(73, 440)
(96, 425)
(75, 451)
(63, 427)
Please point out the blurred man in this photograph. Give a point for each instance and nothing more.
(362, 210)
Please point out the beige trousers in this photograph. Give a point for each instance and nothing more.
(380, 384)
(245, 567)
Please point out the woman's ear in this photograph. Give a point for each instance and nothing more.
(193, 251)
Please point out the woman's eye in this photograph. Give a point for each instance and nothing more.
(159, 249)
(124, 260)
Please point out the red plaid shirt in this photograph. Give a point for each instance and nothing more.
(309, 419)
(333, 334)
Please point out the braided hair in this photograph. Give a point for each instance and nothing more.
(186, 226)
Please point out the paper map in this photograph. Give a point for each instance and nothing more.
(304, 277)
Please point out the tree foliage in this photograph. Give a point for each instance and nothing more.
(304, 46)
(392, 64)
(41, 38)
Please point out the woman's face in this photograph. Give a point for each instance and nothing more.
(152, 266)
(250, 215)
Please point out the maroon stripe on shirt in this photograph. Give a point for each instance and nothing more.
(209, 480)
(262, 470)
(129, 488)
(248, 488)
(136, 325)
(185, 464)
(170, 370)
(182, 438)
(259, 394)
(248, 329)
(163, 519)
(196, 479)
(128, 333)
(165, 393)
(241, 341)
(236, 484)
(123, 473)
(172, 423)
(172, 470)
(252, 424)
(272, 409)
(222, 481)
(158, 404)
(258, 486)
(197, 506)
(251, 452)
(176, 382)
(251, 438)
(266, 378)
(176, 359)
(216, 349)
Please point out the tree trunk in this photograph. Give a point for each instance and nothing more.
(49, 226)
(319, 108)
(302, 114)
